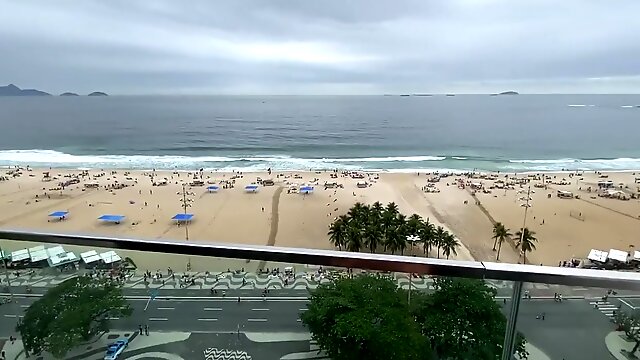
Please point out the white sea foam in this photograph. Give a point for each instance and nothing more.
(576, 105)
(576, 164)
(459, 157)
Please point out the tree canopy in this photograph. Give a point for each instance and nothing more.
(371, 227)
(368, 317)
(70, 314)
(462, 320)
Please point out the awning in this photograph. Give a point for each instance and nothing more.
(20, 255)
(59, 213)
(90, 256)
(618, 255)
(112, 218)
(62, 259)
(110, 257)
(598, 255)
(182, 217)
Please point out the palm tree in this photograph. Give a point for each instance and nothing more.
(449, 245)
(377, 209)
(373, 236)
(401, 230)
(526, 242)
(500, 234)
(338, 231)
(438, 238)
(426, 234)
(392, 208)
(353, 237)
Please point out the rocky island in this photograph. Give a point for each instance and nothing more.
(98, 93)
(69, 94)
(12, 90)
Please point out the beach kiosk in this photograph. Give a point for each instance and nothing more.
(58, 215)
(38, 256)
(306, 190)
(114, 219)
(62, 259)
(213, 188)
(251, 188)
(618, 256)
(110, 257)
(91, 258)
(598, 256)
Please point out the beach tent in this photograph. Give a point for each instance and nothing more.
(618, 255)
(253, 188)
(213, 188)
(37, 254)
(112, 218)
(20, 255)
(53, 251)
(413, 239)
(110, 257)
(60, 215)
(90, 257)
(63, 259)
(598, 255)
(182, 217)
(306, 190)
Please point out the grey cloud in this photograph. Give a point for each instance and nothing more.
(252, 46)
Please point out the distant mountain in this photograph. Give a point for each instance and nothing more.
(98, 93)
(509, 93)
(69, 94)
(12, 90)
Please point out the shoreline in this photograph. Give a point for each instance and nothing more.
(302, 221)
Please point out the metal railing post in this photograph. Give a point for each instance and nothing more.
(6, 273)
(510, 331)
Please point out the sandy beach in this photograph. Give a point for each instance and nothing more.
(279, 216)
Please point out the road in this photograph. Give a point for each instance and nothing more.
(193, 315)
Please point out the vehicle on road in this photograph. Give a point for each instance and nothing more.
(114, 350)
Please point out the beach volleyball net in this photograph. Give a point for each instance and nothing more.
(578, 215)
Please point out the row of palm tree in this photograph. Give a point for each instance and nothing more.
(525, 239)
(374, 227)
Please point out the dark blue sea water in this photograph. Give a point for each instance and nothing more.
(508, 133)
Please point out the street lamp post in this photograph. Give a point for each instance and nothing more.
(526, 206)
(6, 273)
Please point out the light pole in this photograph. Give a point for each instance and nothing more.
(6, 273)
(526, 206)
(184, 207)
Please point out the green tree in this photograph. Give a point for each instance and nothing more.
(462, 320)
(449, 245)
(630, 324)
(526, 242)
(354, 236)
(366, 317)
(71, 313)
(426, 234)
(500, 234)
(338, 231)
(438, 238)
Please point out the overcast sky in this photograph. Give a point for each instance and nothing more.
(321, 47)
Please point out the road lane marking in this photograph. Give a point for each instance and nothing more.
(259, 309)
(204, 319)
(113, 318)
(10, 316)
(166, 308)
(257, 320)
(305, 309)
(298, 320)
(24, 306)
(212, 309)
(158, 319)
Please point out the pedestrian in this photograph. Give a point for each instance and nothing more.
(504, 301)
(543, 316)
(263, 209)
(140, 328)
(555, 296)
(238, 299)
(146, 329)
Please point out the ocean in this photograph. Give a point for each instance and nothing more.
(393, 133)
